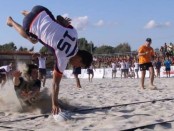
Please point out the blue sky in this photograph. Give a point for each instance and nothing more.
(103, 22)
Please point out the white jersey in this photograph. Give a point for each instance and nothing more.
(122, 64)
(61, 39)
(114, 67)
(42, 62)
(136, 65)
(6, 68)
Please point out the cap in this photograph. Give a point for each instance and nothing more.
(149, 40)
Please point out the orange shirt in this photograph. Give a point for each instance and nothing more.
(147, 57)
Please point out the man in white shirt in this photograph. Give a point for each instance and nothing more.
(122, 67)
(114, 69)
(57, 34)
(42, 66)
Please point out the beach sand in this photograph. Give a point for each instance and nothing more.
(82, 105)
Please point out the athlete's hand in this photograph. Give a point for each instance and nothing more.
(55, 109)
(63, 21)
(17, 74)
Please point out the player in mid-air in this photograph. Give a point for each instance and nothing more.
(57, 34)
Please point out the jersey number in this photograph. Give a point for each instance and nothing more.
(63, 45)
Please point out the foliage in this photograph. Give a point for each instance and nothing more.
(83, 44)
(8, 47)
(123, 47)
(104, 49)
(22, 49)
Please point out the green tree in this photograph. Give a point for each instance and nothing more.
(23, 49)
(104, 49)
(8, 47)
(123, 47)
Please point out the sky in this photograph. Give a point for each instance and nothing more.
(103, 22)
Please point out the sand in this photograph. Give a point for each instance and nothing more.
(105, 93)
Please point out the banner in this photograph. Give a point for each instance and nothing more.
(107, 73)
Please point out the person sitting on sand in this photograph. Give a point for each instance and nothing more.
(26, 84)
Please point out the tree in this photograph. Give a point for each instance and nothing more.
(123, 47)
(46, 50)
(8, 47)
(105, 49)
(22, 49)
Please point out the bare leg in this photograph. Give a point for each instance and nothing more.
(77, 80)
(92, 76)
(143, 73)
(151, 71)
(44, 80)
(19, 29)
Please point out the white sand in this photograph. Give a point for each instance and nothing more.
(99, 93)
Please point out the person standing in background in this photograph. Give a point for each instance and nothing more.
(90, 72)
(157, 67)
(114, 69)
(136, 68)
(42, 66)
(146, 55)
(167, 64)
(76, 72)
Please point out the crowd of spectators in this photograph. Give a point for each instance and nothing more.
(165, 51)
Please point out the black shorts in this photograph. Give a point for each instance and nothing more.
(90, 71)
(77, 70)
(31, 16)
(167, 69)
(145, 66)
(42, 71)
(114, 71)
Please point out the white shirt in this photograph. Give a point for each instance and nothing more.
(61, 39)
(113, 66)
(136, 65)
(122, 65)
(42, 62)
(6, 68)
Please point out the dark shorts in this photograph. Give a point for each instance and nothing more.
(126, 70)
(90, 71)
(77, 70)
(167, 69)
(31, 16)
(122, 70)
(114, 71)
(136, 70)
(42, 71)
(145, 66)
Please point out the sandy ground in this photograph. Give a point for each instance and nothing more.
(84, 106)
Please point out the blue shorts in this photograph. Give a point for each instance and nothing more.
(168, 69)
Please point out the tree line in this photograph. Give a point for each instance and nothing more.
(83, 44)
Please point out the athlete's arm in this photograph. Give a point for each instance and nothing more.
(16, 80)
(55, 92)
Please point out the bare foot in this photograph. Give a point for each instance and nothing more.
(9, 21)
(25, 12)
(153, 87)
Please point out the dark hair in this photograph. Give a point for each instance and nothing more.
(30, 67)
(86, 57)
(149, 40)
